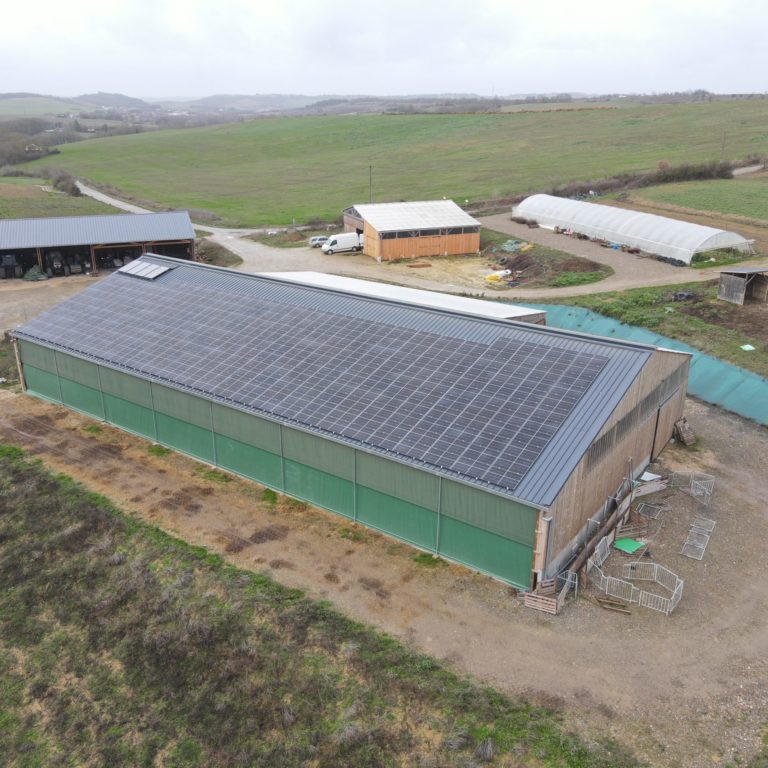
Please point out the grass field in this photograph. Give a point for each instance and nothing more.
(23, 198)
(740, 196)
(121, 646)
(713, 326)
(271, 171)
(35, 107)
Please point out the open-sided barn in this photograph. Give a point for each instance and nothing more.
(672, 239)
(67, 244)
(413, 230)
(489, 442)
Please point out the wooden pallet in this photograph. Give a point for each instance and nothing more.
(541, 603)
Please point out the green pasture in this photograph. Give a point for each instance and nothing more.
(35, 106)
(274, 170)
(23, 198)
(741, 196)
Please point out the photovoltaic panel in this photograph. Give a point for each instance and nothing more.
(482, 410)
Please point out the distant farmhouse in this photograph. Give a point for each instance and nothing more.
(73, 244)
(413, 230)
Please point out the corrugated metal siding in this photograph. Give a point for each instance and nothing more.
(321, 488)
(95, 230)
(486, 552)
(42, 383)
(414, 485)
(491, 513)
(82, 398)
(129, 416)
(172, 402)
(319, 453)
(396, 517)
(78, 370)
(185, 437)
(126, 387)
(40, 357)
(246, 428)
(249, 461)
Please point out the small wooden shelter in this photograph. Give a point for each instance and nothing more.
(740, 284)
(413, 230)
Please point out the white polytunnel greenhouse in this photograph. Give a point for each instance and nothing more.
(658, 235)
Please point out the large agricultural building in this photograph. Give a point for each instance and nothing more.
(672, 239)
(489, 442)
(66, 244)
(415, 230)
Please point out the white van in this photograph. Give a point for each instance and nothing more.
(346, 241)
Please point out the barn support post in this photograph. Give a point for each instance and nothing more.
(154, 414)
(94, 263)
(439, 510)
(101, 393)
(213, 437)
(39, 259)
(282, 459)
(354, 485)
(15, 344)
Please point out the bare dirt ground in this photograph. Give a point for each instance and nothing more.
(689, 690)
(630, 271)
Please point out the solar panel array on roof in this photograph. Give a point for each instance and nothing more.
(474, 398)
(143, 269)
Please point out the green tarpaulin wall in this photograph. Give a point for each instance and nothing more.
(712, 380)
(490, 533)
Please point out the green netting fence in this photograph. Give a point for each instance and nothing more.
(711, 379)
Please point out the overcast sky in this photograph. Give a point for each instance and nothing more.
(168, 48)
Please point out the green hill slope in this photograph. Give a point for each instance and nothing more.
(274, 170)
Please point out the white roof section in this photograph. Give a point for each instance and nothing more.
(425, 214)
(476, 307)
(660, 235)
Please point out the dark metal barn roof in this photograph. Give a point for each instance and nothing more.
(505, 406)
(95, 230)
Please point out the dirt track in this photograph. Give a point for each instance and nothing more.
(683, 691)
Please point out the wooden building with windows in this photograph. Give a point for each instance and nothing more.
(415, 230)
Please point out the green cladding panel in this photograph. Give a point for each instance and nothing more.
(246, 428)
(484, 531)
(126, 387)
(134, 418)
(319, 453)
(321, 488)
(489, 512)
(182, 406)
(397, 517)
(249, 461)
(75, 369)
(185, 437)
(82, 398)
(486, 551)
(42, 383)
(394, 479)
(42, 358)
